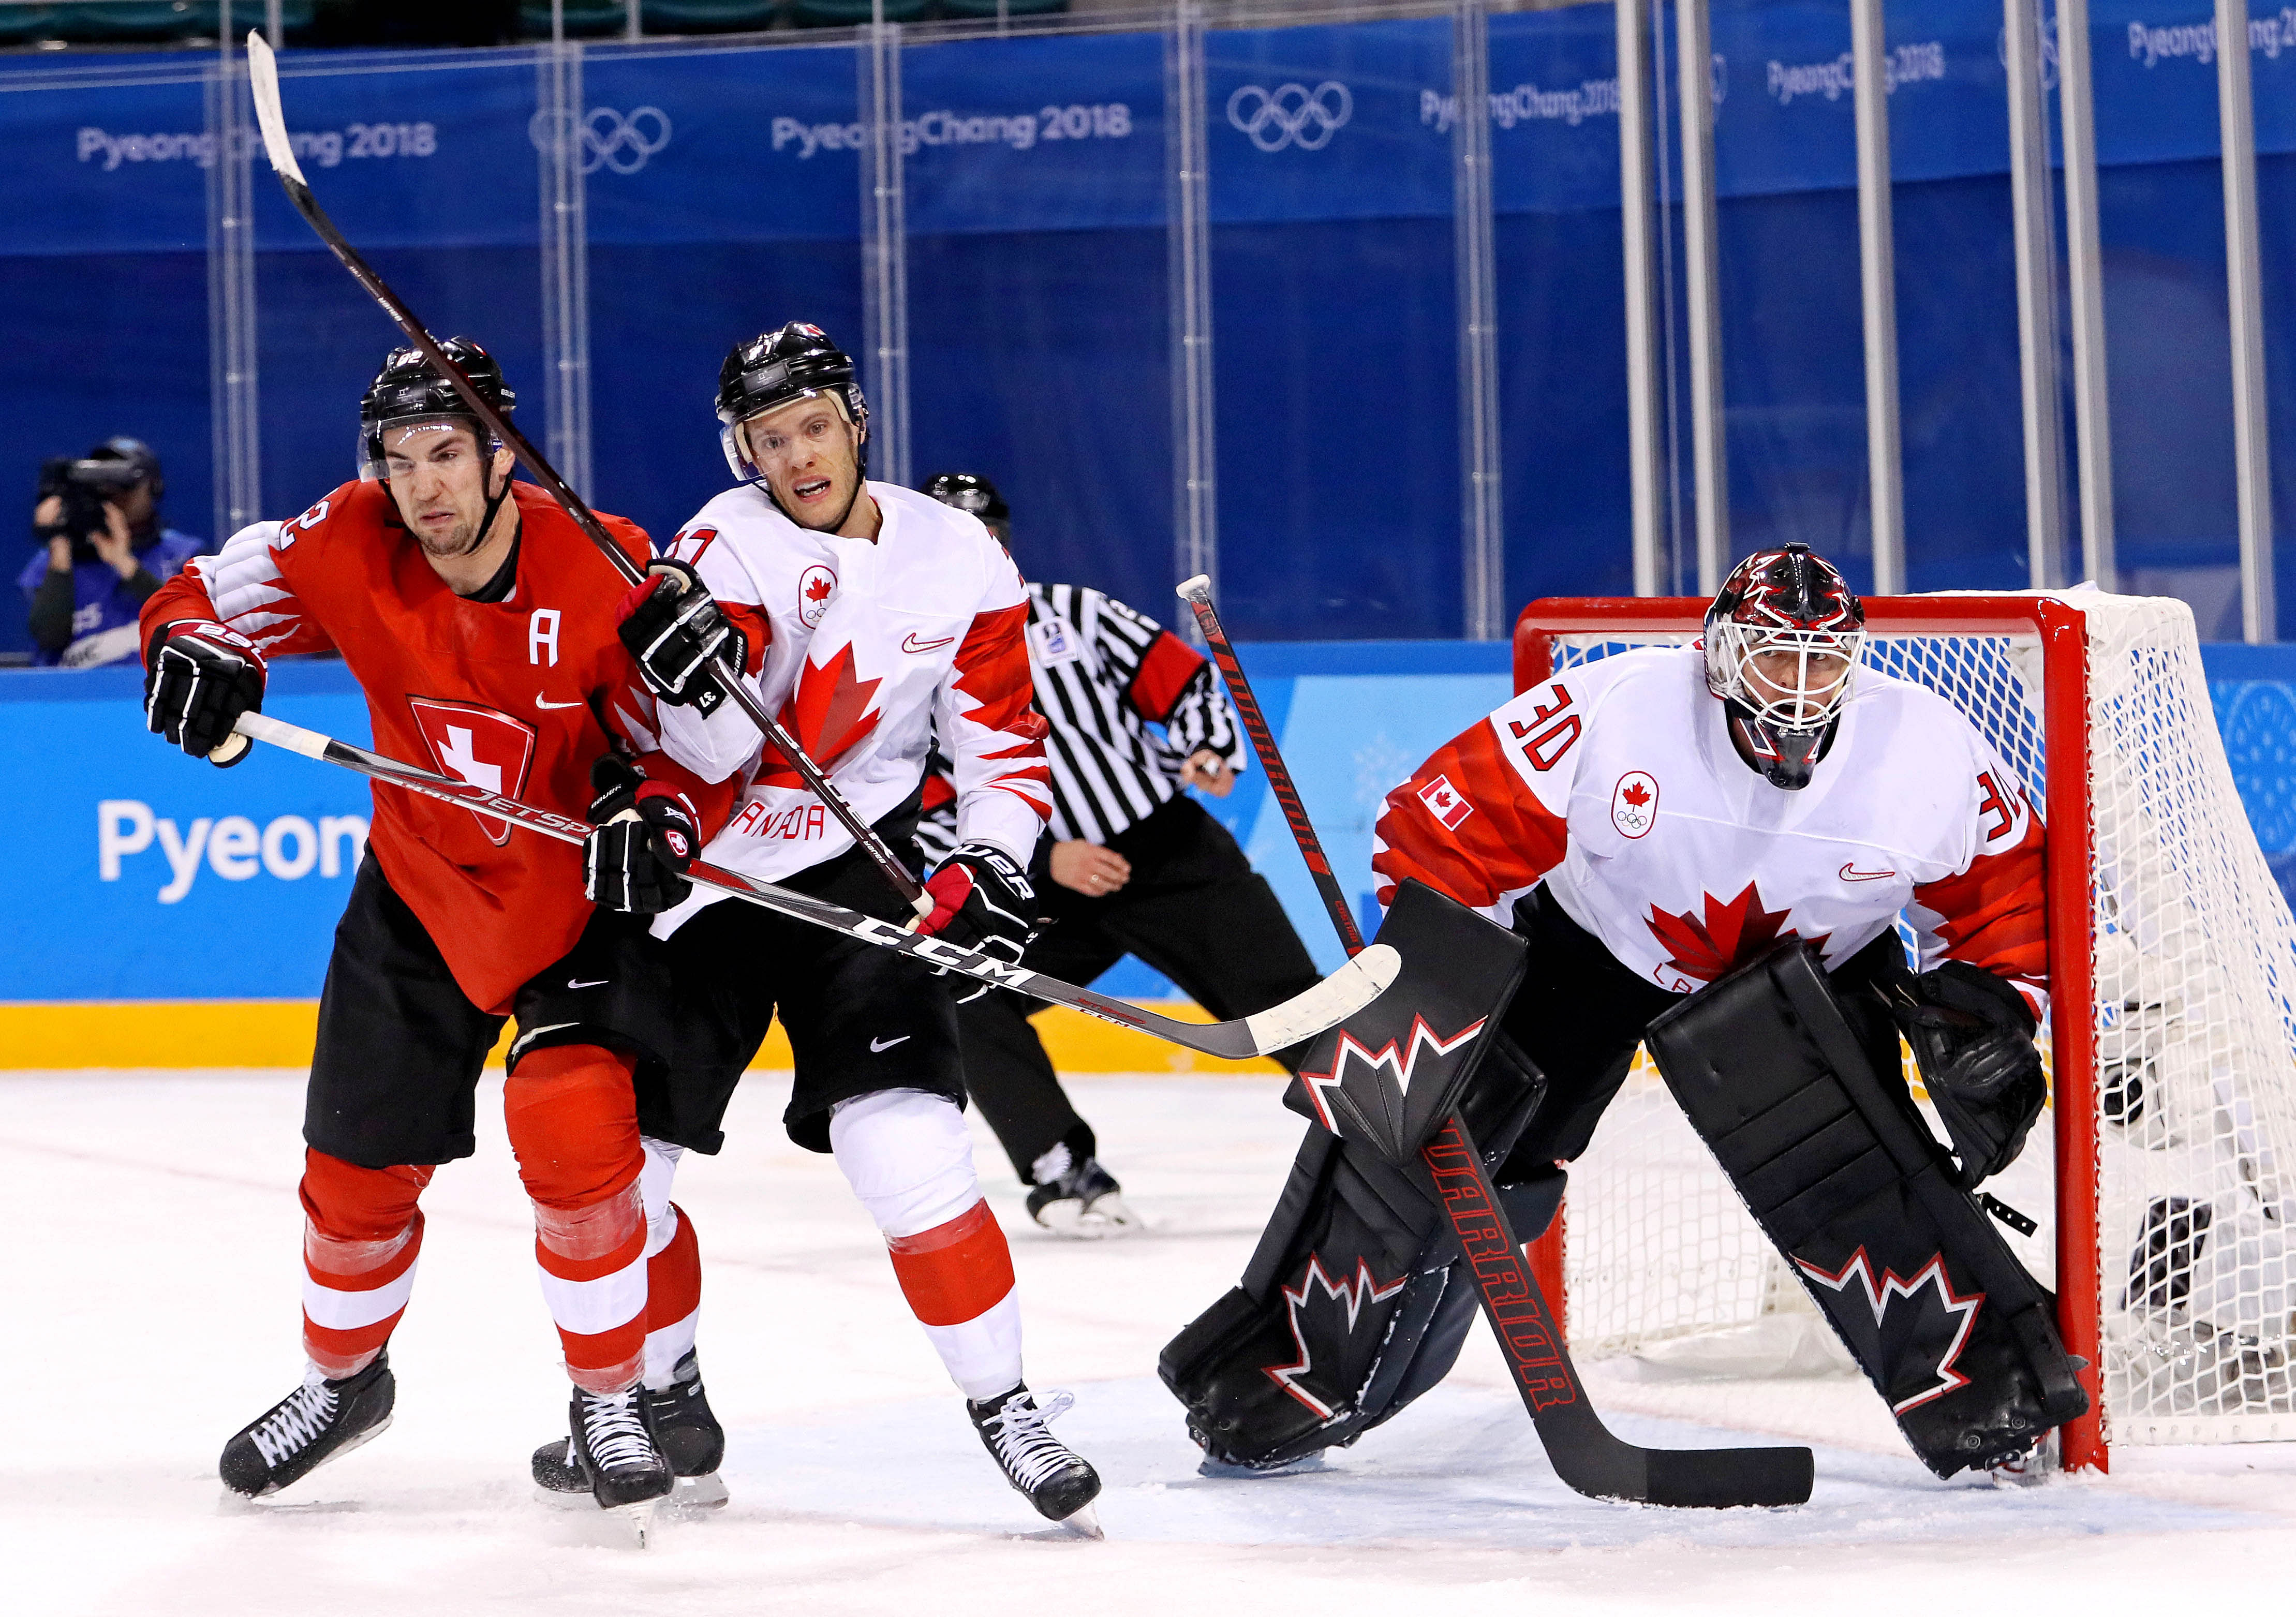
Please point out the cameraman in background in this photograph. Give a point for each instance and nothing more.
(105, 554)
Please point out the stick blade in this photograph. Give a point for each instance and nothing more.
(1729, 1479)
(1330, 1002)
(263, 80)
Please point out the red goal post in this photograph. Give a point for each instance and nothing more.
(2060, 631)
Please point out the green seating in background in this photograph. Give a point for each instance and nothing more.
(584, 18)
(854, 13)
(22, 24)
(1013, 8)
(709, 16)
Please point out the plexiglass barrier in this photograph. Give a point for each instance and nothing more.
(1197, 294)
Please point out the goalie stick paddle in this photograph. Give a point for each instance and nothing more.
(1588, 1456)
(263, 80)
(1336, 997)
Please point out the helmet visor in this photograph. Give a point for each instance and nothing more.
(414, 433)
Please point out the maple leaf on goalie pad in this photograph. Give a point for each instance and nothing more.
(1386, 1075)
(1326, 1312)
(1917, 1330)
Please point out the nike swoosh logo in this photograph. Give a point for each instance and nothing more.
(601, 982)
(1850, 872)
(546, 706)
(877, 1049)
(914, 645)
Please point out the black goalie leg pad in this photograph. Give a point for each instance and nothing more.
(1837, 1167)
(1357, 1300)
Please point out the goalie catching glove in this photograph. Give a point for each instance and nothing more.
(636, 859)
(203, 676)
(1972, 1035)
(981, 900)
(676, 629)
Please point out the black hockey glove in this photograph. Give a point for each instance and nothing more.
(981, 900)
(202, 676)
(674, 628)
(636, 859)
(1972, 1035)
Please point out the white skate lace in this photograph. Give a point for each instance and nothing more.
(308, 1411)
(1028, 1452)
(615, 1431)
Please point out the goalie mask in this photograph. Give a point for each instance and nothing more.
(798, 361)
(1782, 640)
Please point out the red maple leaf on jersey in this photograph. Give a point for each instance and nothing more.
(816, 589)
(1636, 794)
(827, 714)
(1734, 932)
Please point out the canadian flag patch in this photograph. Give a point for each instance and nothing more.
(1445, 803)
(1634, 804)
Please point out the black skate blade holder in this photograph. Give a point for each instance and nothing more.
(1391, 1078)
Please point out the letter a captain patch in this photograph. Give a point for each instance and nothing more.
(1445, 803)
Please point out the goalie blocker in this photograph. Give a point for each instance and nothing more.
(1357, 1300)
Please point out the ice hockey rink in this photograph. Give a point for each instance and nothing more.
(163, 1250)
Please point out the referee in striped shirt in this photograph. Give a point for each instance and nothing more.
(1132, 866)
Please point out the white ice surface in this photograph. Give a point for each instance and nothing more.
(153, 1306)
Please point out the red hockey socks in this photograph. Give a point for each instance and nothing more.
(573, 1115)
(909, 1158)
(673, 1297)
(361, 1233)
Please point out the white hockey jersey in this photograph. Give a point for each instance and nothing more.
(858, 647)
(1616, 784)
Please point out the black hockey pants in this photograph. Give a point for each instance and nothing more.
(1194, 910)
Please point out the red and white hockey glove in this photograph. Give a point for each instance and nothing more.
(646, 841)
(673, 626)
(981, 900)
(202, 676)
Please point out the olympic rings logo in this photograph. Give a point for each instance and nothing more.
(608, 139)
(1291, 114)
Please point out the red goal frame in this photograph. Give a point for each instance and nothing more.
(2063, 634)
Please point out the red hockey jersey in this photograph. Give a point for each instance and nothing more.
(517, 695)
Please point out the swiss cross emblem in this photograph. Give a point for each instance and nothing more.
(1634, 804)
(489, 749)
(814, 586)
(1445, 803)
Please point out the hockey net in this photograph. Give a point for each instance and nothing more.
(2166, 1202)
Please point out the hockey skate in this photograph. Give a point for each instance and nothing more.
(683, 1429)
(1084, 1204)
(612, 1444)
(319, 1421)
(1053, 1477)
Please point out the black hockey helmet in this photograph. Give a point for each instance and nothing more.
(409, 389)
(1782, 640)
(137, 453)
(774, 368)
(969, 491)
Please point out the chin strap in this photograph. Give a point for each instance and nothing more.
(494, 507)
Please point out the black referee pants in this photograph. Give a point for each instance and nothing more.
(1194, 910)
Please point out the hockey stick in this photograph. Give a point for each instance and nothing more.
(1336, 997)
(1197, 592)
(1587, 1455)
(263, 77)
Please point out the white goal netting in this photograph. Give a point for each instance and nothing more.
(2193, 955)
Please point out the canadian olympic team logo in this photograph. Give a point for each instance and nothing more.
(605, 138)
(1290, 114)
(814, 586)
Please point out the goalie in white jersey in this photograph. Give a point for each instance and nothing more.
(1709, 848)
(866, 616)
(1659, 818)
